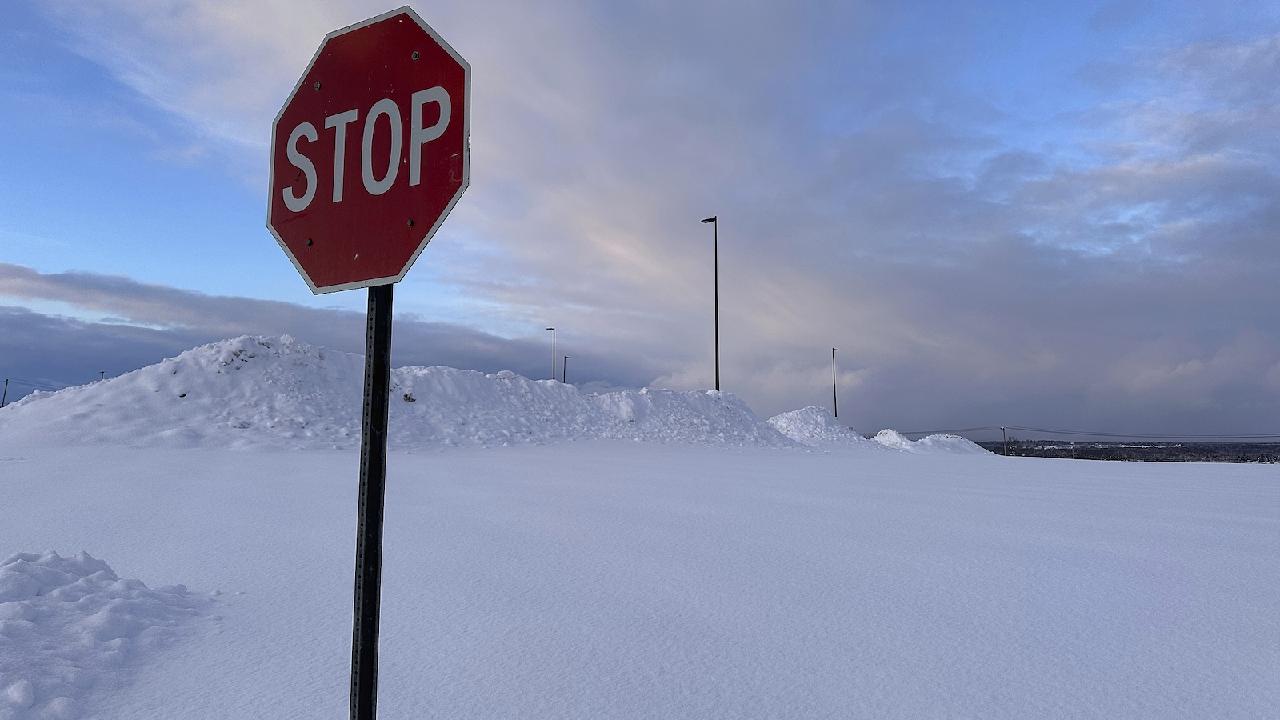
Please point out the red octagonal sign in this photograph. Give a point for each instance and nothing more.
(370, 152)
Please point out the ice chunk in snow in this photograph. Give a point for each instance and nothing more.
(70, 626)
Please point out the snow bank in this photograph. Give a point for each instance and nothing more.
(702, 417)
(815, 427)
(894, 440)
(948, 443)
(252, 392)
(257, 392)
(70, 625)
(941, 443)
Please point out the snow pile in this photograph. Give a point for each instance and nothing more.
(240, 392)
(251, 392)
(704, 417)
(941, 443)
(70, 625)
(948, 443)
(894, 440)
(815, 427)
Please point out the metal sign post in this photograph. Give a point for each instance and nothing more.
(373, 474)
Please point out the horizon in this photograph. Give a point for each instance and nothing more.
(991, 434)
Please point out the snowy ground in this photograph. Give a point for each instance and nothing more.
(614, 579)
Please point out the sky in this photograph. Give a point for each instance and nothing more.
(1051, 215)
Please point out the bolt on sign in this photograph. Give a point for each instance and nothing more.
(368, 155)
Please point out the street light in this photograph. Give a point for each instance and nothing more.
(553, 352)
(835, 408)
(715, 264)
(564, 370)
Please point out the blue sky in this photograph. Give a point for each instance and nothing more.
(1043, 214)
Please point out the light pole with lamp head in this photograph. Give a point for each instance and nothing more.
(715, 265)
(553, 352)
(835, 408)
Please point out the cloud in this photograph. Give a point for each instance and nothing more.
(1102, 267)
(149, 322)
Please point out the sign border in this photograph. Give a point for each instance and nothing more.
(466, 153)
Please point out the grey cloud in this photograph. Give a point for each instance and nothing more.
(152, 322)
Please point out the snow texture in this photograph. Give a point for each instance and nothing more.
(814, 426)
(623, 580)
(278, 393)
(256, 392)
(69, 627)
(942, 443)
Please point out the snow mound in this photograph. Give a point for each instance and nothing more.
(704, 417)
(893, 439)
(815, 427)
(257, 392)
(70, 626)
(948, 443)
(935, 444)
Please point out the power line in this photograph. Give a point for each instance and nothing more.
(950, 432)
(37, 384)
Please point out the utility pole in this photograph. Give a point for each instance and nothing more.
(553, 352)
(715, 265)
(564, 370)
(835, 407)
(102, 374)
(1005, 433)
(5, 395)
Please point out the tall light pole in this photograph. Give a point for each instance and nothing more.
(835, 407)
(715, 264)
(553, 352)
(564, 370)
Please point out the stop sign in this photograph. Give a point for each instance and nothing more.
(369, 152)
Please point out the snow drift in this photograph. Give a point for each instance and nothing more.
(252, 392)
(940, 443)
(258, 392)
(69, 626)
(815, 427)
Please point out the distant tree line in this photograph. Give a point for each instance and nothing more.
(1141, 451)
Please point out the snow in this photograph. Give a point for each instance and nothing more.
(69, 628)
(948, 443)
(257, 392)
(892, 439)
(815, 427)
(718, 568)
(278, 393)
(940, 443)
(613, 579)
